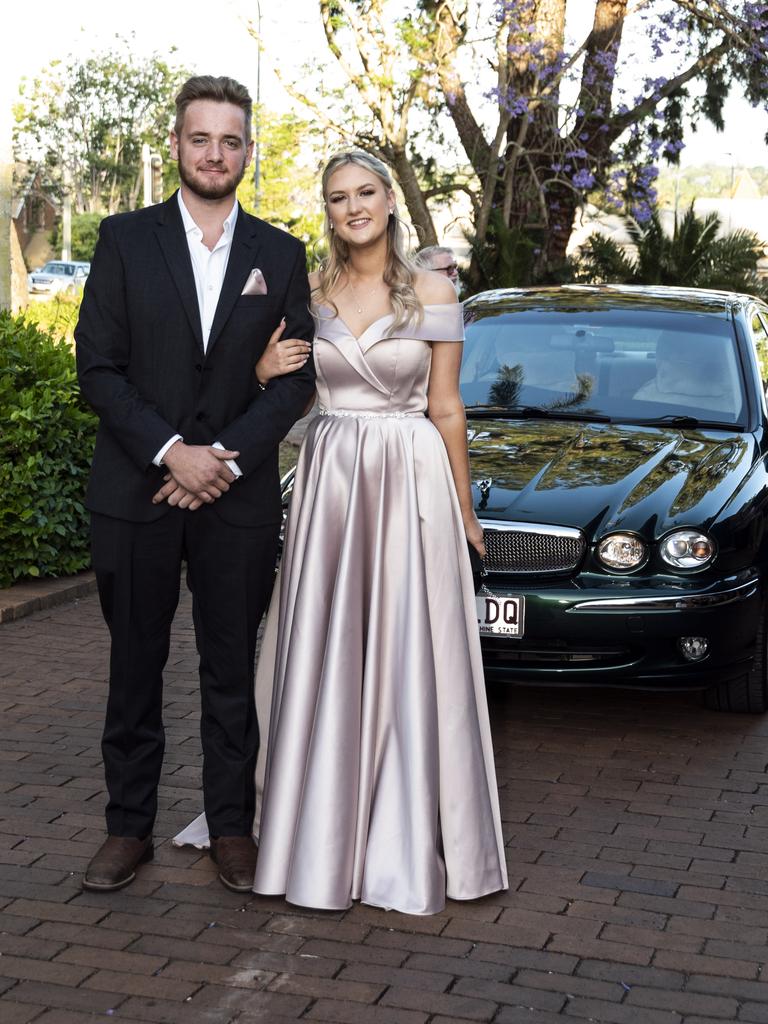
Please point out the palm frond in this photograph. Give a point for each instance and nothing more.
(601, 260)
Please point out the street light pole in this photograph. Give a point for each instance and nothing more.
(257, 125)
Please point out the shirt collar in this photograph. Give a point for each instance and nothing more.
(190, 225)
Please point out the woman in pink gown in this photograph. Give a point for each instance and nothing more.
(379, 782)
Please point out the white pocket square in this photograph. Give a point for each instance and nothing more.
(255, 285)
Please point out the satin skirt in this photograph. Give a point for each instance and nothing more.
(379, 781)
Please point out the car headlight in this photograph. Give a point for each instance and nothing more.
(687, 549)
(622, 551)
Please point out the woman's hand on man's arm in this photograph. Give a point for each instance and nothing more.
(281, 356)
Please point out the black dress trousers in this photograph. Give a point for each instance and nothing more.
(230, 570)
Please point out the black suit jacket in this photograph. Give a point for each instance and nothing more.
(142, 367)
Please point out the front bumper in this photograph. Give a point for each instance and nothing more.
(593, 631)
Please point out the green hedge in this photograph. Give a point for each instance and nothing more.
(46, 442)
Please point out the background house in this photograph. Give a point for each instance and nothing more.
(34, 214)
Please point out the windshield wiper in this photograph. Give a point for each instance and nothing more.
(690, 422)
(532, 412)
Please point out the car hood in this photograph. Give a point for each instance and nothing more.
(599, 477)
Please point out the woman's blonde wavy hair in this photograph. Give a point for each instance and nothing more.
(398, 270)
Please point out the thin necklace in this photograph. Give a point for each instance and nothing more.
(358, 305)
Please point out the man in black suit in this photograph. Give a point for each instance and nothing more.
(181, 300)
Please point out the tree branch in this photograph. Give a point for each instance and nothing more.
(443, 190)
(471, 135)
(320, 112)
(715, 15)
(620, 122)
(360, 82)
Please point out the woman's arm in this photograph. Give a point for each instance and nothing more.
(444, 404)
(446, 410)
(281, 356)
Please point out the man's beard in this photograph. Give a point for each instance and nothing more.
(213, 190)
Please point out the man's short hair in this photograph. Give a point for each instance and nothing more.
(424, 257)
(220, 90)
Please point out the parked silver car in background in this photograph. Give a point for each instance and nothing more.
(57, 276)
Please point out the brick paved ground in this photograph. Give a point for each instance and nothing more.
(637, 836)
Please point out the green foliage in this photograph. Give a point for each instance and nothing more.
(45, 450)
(602, 261)
(693, 256)
(84, 120)
(505, 256)
(85, 234)
(288, 182)
(56, 316)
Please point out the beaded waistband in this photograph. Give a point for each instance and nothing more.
(361, 414)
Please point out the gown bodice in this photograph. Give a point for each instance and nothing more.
(379, 373)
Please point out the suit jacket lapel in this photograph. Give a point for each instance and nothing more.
(173, 241)
(242, 256)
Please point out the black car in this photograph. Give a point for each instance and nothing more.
(618, 447)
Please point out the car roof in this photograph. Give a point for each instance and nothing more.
(583, 297)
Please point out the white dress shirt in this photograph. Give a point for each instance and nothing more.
(209, 267)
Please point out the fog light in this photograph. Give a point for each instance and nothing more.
(693, 648)
(621, 551)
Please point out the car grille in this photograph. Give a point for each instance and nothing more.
(526, 548)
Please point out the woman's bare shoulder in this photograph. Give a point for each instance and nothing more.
(433, 289)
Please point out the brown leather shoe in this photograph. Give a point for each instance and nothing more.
(115, 862)
(235, 857)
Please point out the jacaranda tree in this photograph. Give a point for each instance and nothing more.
(543, 117)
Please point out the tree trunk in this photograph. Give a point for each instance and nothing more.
(415, 202)
(6, 196)
(595, 100)
(450, 34)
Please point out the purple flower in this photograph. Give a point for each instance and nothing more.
(583, 179)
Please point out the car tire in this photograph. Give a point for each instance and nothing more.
(70, 290)
(749, 693)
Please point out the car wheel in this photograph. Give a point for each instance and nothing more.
(71, 290)
(749, 693)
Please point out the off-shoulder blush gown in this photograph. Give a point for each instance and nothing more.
(379, 782)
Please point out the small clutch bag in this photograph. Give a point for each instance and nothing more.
(478, 569)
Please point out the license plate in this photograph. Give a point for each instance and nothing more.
(500, 616)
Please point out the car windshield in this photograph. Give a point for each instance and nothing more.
(623, 365)
(59, 268)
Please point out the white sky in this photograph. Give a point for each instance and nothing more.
(213, 39)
